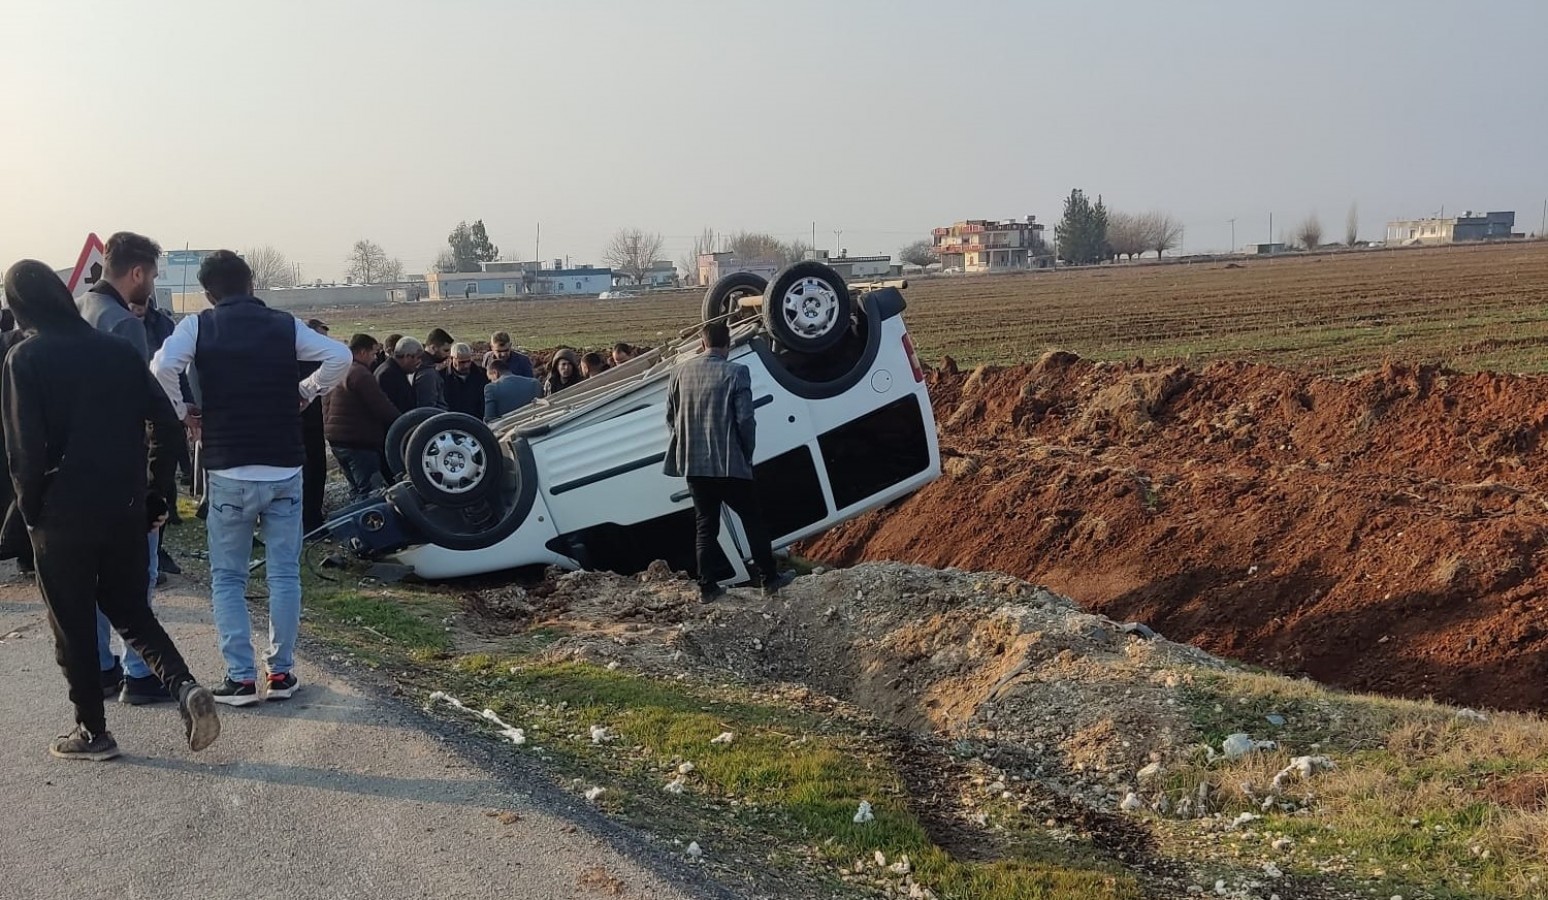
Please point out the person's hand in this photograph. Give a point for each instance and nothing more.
(156, 525)
(193, 411)
(194, 424)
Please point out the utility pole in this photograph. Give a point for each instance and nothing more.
(1542, 230)
(814, 234)
(838, 235)
(537, 246)
(1271, 228)
(1233, 235)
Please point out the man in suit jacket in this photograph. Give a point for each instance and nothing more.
(710, 416)
(507, 392)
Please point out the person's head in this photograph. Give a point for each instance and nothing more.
(461, 358)
(392, 342)
(716, 336)
(130, 262)
(39, 300)
(500, 345)
(566, 365)
(318, 325)
(363, 348)
(592, 364)
(622, 353)
(438, 343)
(408, 353)
(498, 368)
(225, 274)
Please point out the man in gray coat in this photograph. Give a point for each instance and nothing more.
(506, 391)
(129, 280)
(710, 417)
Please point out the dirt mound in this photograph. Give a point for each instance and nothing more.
(961, 656)
(1383, 532)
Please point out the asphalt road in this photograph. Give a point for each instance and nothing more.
(337, 793)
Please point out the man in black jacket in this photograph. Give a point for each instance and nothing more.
(75, 443)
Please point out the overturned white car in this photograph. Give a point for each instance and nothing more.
(575, 479)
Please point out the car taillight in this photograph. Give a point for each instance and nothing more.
(913, 358)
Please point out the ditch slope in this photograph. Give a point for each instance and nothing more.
(1383, 532)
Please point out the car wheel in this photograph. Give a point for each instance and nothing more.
(453, 460)
(724, 296)
(807, 307)
(398, 435)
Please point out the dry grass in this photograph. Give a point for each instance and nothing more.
(1481, 307)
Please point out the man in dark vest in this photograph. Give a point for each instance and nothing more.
(75, 445)
(247, 356)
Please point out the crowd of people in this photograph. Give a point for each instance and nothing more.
(92, 452)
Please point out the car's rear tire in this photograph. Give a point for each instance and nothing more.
(807, 307)
(724, 296)
(453, 460)
(398, 435)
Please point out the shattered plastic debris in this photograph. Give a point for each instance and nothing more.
(693, 851)
(509, 732)
(864, 814)
(592, 793)
(675, 786)
(1238, 745)
(725, 737)
(601, 734)
(1243, 819)
(1132, 803)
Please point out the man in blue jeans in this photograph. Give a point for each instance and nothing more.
(247, 356)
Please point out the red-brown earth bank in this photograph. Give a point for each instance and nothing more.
(1383, 533)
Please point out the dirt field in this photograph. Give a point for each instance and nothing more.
(1473, 308)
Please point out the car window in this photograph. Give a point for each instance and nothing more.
(876, 451)
(789, 492)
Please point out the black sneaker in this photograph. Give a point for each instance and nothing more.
(112, 680)
(25, 567)
(165, 562)
(142, 691)
(772, 585)
(82, 744)
(236, 693)
(708, 592)
(282, 686)
(201, 725)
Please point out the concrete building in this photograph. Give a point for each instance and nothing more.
(1466, 227)
(661, 275)
(856, 268)
(715, 266)
(986, 245)
(517, 280)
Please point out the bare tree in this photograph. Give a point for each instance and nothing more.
(446, 261)
(1352, 225)
(1309, 233)
(1126, 234)
(707, 242)
(1162, 232)
(753, 245)
(794, 251)
(270, 268)
(632, 252)
(920, 253)
(370, 264)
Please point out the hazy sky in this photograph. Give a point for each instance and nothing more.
(309, 125)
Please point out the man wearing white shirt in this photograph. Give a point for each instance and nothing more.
(247, 356)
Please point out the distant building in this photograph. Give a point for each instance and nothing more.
(1270, 248)
(985, 245)
(715, 266)
(1466, 227)
(662, 274)
(512, 279)
(855, 268)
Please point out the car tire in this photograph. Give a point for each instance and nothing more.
(453, 460)
(807, 307)
(490, 525)
(722, 299)
(398, 435)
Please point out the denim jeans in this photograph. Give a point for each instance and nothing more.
(362, 469)
(236, 509)
(134, 666)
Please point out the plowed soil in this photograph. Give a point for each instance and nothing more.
(1384, 532)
